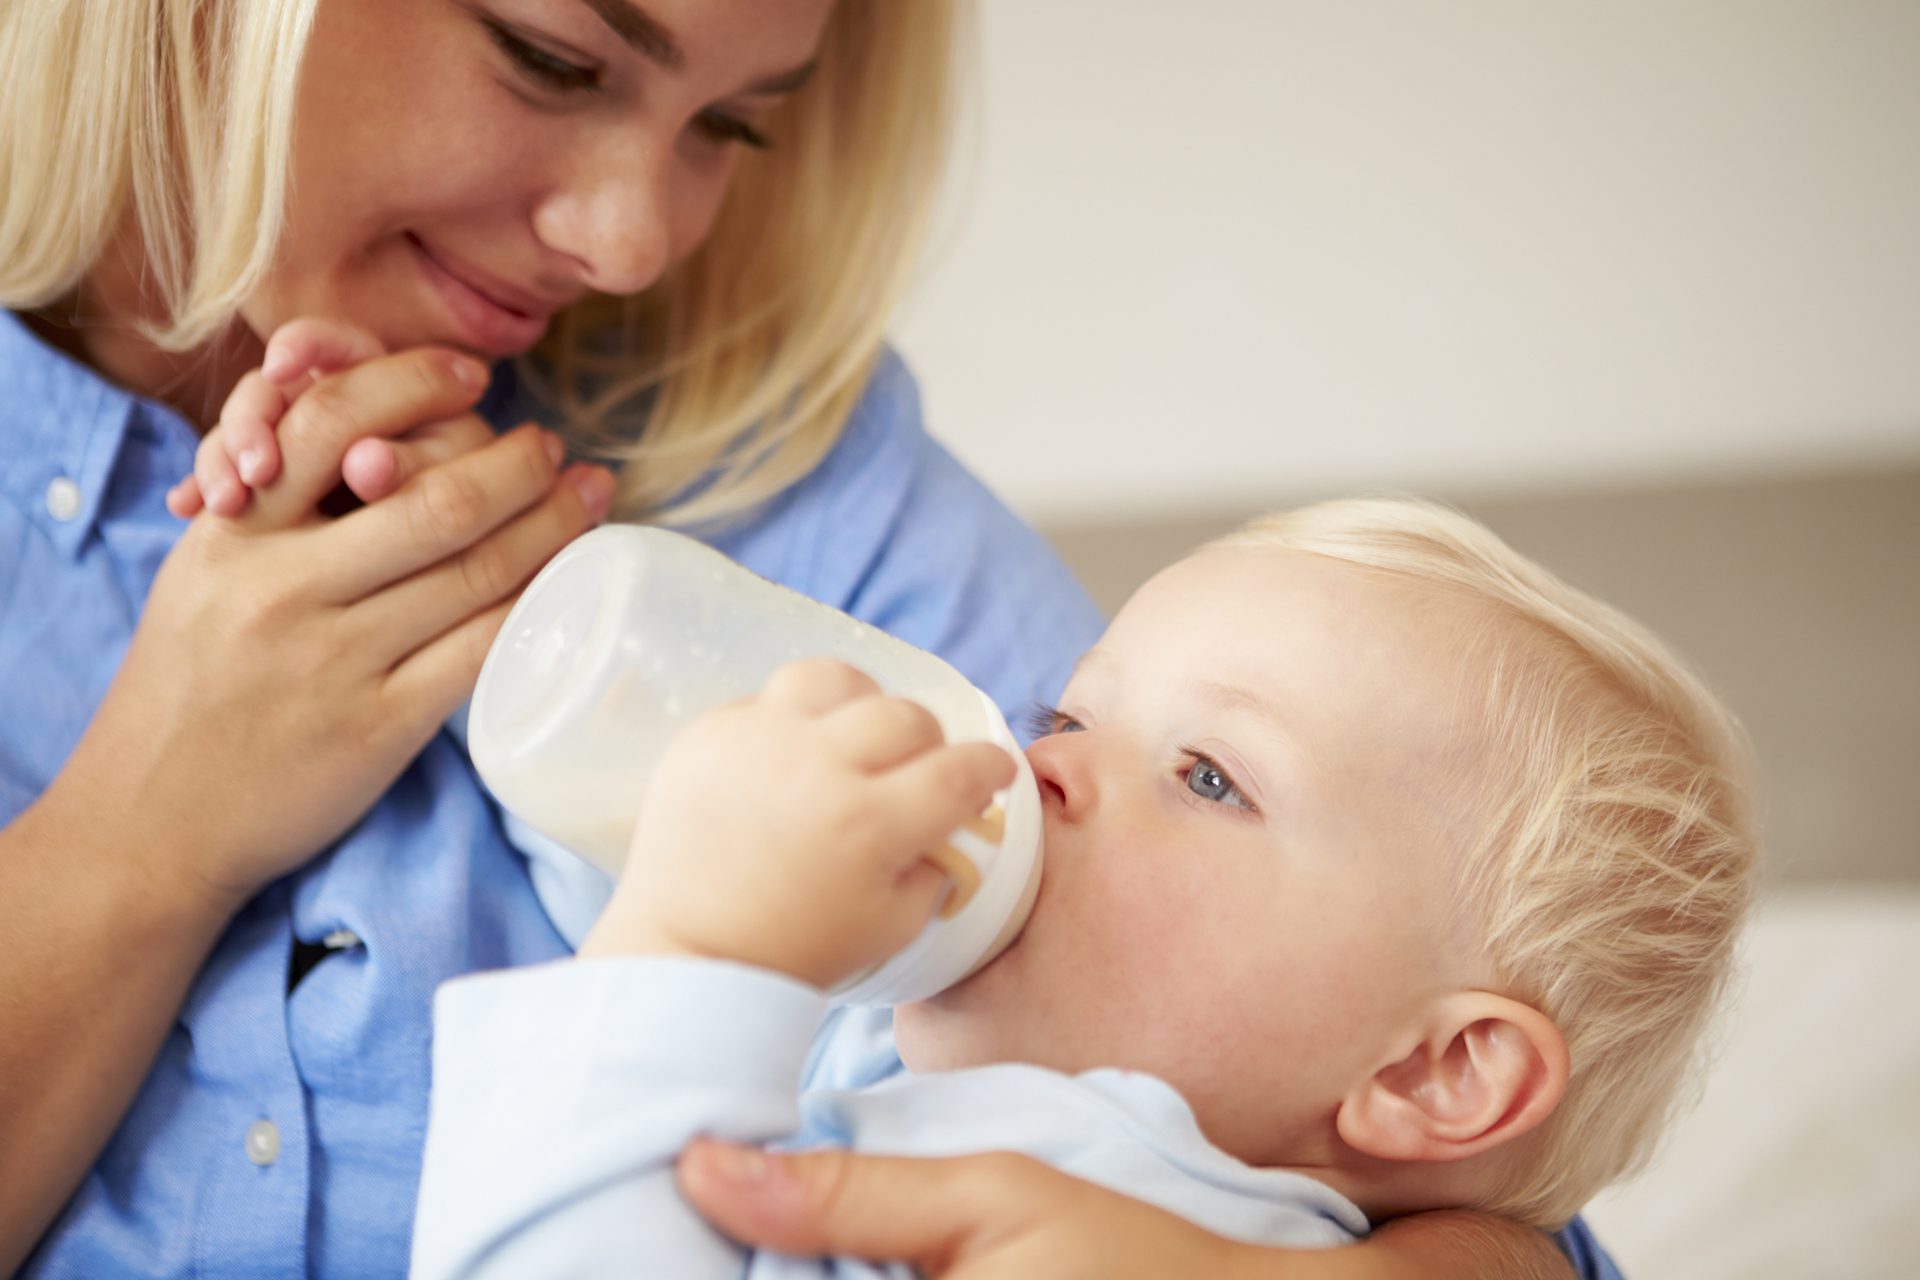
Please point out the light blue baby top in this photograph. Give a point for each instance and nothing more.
(563, 1093)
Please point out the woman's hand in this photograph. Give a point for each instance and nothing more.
(287, 666)
(1006, 1217)
(986, 1217)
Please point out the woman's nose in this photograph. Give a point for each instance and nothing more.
(616, 220)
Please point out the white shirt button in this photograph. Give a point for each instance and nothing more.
(63, 499)
(340, 940)
(263, 1142)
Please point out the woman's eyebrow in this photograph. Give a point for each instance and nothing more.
(651, 39)
(781, 83)
(641, 30)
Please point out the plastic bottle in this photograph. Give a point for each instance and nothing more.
(630, 632)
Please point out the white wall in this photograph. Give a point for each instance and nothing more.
(1214, 251)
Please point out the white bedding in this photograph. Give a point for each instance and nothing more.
(1803, 1157)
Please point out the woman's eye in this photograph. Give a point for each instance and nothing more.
(1046, 721)
(548, 70)
(1209, 781)
(722, 128)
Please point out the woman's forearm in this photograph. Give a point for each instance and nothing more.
(97, 959)
(1444, 1245)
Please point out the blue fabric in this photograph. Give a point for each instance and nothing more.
(889, 527)
(1588, 1258)
(563, 1094)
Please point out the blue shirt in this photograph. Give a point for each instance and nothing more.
(562, 1095)
(888, 527)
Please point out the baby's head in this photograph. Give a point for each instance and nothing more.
(1408, 865)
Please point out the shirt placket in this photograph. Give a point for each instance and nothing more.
(251, 1216)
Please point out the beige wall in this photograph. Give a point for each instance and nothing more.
(1215, 249)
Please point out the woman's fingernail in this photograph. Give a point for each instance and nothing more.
(470, 373)
(556, 451)
(595, 487)
(249, 462)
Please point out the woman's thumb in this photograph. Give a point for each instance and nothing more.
(833, 1202)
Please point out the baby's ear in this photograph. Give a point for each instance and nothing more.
(1485, 1070)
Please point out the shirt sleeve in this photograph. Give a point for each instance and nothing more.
(563, 1093)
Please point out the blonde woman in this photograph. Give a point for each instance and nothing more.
(238, 854)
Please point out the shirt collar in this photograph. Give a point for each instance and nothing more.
(62, 427)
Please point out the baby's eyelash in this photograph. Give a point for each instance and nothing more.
(1193, 758)
(1043, 720)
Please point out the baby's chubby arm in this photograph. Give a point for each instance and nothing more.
(788, 830)
(778, 852)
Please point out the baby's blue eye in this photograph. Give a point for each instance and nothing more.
(1210, 782)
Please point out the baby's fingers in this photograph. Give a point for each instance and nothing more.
(240, 452)
(184, 499)
(374, 467)
(939, 790)
(219, 483)
(246, 433)
(315, 347)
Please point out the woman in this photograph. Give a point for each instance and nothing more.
(238, 854)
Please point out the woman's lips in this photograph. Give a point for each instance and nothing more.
(486, 323)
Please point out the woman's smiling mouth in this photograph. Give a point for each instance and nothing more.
(491, 318)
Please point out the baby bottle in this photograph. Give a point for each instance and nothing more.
(630, 632)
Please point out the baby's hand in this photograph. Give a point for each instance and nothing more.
(790, 830)
(241, 453)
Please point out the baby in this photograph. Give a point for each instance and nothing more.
(1384, 872)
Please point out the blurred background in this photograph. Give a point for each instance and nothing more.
(1636, 283)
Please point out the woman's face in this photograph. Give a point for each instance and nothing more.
(464, 169)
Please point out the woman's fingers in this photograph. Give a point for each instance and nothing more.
(889, 1209)
(436, 678)
(988, 1217)
(412, 612)
(383, 397)
(447, 509)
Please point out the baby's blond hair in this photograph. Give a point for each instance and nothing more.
(1619, 852)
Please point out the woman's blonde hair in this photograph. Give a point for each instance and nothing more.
(742, 364)
(1618, 853)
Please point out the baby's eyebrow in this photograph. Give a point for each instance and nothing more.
(1231, 697)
